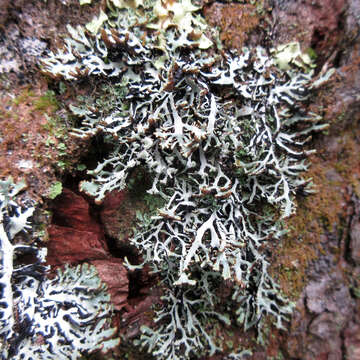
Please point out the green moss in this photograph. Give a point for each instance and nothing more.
(46, 102)
(55, 190)
(229, 344)
(25, 97)
(312, 53)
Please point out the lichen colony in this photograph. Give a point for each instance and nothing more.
(222, 137)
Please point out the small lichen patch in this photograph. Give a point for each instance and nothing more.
(45, 318)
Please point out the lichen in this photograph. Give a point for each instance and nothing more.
(41, 317)
(223, 139)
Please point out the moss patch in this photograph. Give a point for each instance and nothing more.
(35, 142)
(334, 168)
(236, 21)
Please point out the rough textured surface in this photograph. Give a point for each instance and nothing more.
(328, 307)
(74, 235)
(331, 29)
(328, 294)
(68, 245)
(111, 215)
(319, 266)
(114, 275)
(72, 210)
(316, 24)
(326, 321)
(28, 27)
(324, 312)
(31, 152)
(354, 241)
(352, 340)
(239, 23)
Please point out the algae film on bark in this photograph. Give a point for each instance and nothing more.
(41, 317)
(223, 139)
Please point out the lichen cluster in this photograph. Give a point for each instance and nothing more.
(40, 317)
(222, 138)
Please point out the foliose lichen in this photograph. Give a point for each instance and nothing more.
(222, 137)
(40, 317)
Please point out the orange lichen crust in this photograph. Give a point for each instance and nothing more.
(336, 172)
(34, 144)
(235, 21)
